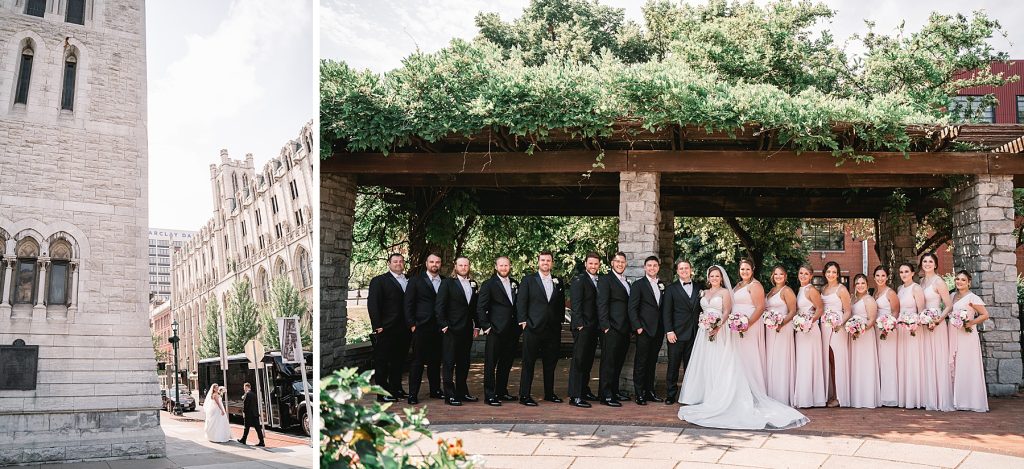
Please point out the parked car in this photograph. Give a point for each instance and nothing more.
(188, 403)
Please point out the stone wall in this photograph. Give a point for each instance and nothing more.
(983, 244)
(639, 218)
(337, 216)
(80, 175)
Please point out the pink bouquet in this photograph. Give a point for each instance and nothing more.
(909, 321)
(738, 323)
(832, 318)
(802, 322)
(709, 321)
(773, 320)
(929, 317)
(961, 318)
(886, 324)
(855, 325)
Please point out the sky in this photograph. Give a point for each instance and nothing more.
(233, 74)
(377, 34)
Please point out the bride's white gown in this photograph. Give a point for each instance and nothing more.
(717, 389)
(217, 428)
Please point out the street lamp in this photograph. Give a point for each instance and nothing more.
(174, 341)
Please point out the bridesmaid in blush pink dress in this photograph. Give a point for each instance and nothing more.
(809, 388)
(910, 358)
(835, 340)
(888, 373)
(748, 299)
(969, 390)
(778, 342)
(864, 349)
(939, 395)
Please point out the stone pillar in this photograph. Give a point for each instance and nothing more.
(639, 230)
(983, 244)
(73, 293)
(337, 215)
(896, 243)
(7, 264)
(39, 310)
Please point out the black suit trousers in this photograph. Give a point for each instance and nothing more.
(499, 351)
(426, 351)
(645, 361)
(390, 349)
(678, 354)
(455, 347)
(583, 351)
(544, 344)
(613, 355)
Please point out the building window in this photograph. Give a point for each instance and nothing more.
(262, 245)
(226, 247)
(273, 205)
(259, 219)
(67, 97)
(35, 8)
(298, 217)
(969, 108)
(305, 268)
(295, 189)
(76, 12)
(24, 75)
(1020, 109)
(278, 231)
(243, 227)
(824, 235)
(26, 272)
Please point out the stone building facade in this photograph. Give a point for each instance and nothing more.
(73, 222)
(261, 228)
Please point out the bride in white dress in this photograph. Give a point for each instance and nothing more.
(216, 424)
(716, 391)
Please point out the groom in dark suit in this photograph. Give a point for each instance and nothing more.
(645, 318)
(613, 319)
(583, 298)
(679, 312)
(540, 307)
(456, 310)
(251, 415)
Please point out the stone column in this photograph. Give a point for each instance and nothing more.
(983, 244)
(639, 230)
(6, 263)
(896, 243)
(39, 310)
(337, 215)
(73, 293)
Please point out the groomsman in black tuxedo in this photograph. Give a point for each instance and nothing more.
(583, 298)
(613, 319)
(420, 302)
(645, 318)
(540, 307)
(679, 312)
(390, 335)
(456, 308)
(496, 315)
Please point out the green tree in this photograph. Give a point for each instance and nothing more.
(243, 317)
(768, 241)
(209, 342)
(285, 301)
(159, 355)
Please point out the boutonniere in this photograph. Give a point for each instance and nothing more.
(554, 281)
(472, 284)
(661, 286)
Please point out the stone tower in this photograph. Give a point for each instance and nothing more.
(77, 373)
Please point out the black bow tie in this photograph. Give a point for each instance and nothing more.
(687, 283)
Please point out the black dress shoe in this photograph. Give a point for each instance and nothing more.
(653, 397)
(669, 401)
(553, 398)
(383, 398)
(640, 401)
(401, 394)
(412, 400)
(623, 396)
(578, 402)
(528, 401)
(493, 402)
(470, 398)
(260, 445)
(589, 396)
(437, 394)
(611, 402)
(508, 398)
(453, 401)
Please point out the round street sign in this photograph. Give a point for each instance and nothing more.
(254, 351)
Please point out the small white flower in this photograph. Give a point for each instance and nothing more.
(554, 281)
(661, 286)
(472, 284)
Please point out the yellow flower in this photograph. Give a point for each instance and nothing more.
(401, 434)
(358, 435)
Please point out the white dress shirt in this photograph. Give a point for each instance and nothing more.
(507, 284)
(548, 286)
(466, 287)
(401, 280)
(622, 278)
(654, 287)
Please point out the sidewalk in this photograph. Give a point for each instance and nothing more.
(542, 446)
(187, 447)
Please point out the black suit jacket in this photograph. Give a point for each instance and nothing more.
(493, 306)
(679, 311)
(453, 311)
(644, 309)
(386, 302)
(583, 299)
(249, 408)
(533, 306)
(420, 301)
(612, 303)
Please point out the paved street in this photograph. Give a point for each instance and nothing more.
(187, 447)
